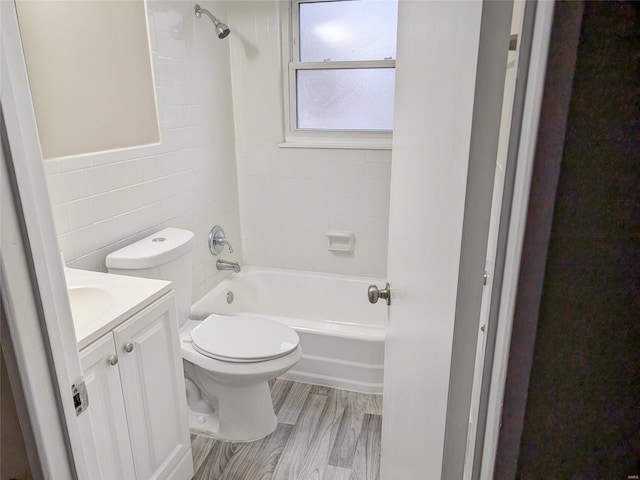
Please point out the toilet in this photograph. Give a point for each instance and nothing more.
(228, 359)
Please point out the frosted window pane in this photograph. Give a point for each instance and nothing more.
(348, 30)
(346, 99)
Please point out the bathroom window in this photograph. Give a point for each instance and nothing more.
(341, 77)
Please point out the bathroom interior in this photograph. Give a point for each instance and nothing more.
(303, 222)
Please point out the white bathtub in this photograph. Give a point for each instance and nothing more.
(341, 333)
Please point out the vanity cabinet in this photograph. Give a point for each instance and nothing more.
(137, 406)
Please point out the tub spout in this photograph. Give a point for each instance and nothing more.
(224, 265)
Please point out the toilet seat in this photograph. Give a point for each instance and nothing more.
(242, 338)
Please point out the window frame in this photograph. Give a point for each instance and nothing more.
(309, 138)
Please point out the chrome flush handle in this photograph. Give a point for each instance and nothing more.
(375, 293)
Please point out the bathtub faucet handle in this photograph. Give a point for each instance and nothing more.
(217, 241)
(224, 241)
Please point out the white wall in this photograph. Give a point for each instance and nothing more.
(104, 201)
(290, 197)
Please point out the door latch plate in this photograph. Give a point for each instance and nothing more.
(80, 396)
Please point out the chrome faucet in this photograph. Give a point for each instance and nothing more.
(217, 241)
(224, 265)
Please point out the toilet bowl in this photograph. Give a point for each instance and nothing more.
(228, 393)
(228, 360)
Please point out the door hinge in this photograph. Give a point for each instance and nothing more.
(485, 277)
(80, 396)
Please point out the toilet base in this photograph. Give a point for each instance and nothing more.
(231, 401)
(247, 414)
(204, 423)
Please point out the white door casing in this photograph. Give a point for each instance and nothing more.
(492, 241)
(436, 69)
(517, 223)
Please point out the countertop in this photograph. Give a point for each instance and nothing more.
(102, 301)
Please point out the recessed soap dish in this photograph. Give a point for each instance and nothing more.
(341, 241)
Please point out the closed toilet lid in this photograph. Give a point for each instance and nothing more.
(240, 338)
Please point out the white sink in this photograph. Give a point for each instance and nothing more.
(101, 301)
(88, 303)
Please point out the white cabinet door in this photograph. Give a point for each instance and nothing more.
(153, 388)
(103, 425)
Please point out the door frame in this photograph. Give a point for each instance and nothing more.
(476, 253)
(512, 238)
(537, 217)
(34, 292)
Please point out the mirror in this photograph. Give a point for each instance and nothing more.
(89, 67)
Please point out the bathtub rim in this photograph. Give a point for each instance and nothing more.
(312, 368)
(197, 313)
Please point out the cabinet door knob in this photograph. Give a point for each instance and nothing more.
(112, 360)
(128, 347)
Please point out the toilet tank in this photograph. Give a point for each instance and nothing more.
(165, 255)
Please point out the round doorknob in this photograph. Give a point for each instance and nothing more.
(375, 293)
(128, 347)
(112, 360)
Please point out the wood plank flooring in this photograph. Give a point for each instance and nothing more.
(322, 434)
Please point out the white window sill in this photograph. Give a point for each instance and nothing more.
(338, 143)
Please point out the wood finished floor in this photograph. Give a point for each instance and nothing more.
(322, 434)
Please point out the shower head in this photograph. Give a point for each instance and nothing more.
(221, 29)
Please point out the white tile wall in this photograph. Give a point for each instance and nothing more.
(289, 198)
(104, 201)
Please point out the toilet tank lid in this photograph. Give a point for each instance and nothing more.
(152, 251)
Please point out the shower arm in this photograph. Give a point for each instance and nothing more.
(199, 11)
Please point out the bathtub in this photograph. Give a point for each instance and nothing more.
(341, 333)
